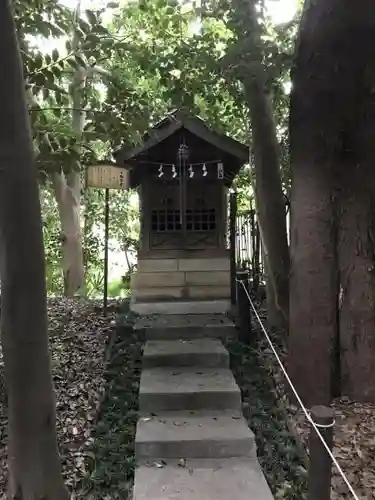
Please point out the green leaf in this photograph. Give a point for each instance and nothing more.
(84, 26)
(38, 61)
(73, 63)
(92, 37)
(55, 55)
(91, 17)
(80, 61)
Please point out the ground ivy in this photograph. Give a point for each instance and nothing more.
(112, 470)
(277, 451)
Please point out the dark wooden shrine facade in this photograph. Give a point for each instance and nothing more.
(182, 171)
(183, 207)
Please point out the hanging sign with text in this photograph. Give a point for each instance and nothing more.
(107, 176)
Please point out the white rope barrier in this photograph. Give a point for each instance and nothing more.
(305, 410)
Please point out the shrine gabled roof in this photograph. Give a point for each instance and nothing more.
(175, 121)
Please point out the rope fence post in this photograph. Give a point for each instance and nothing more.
(322, 421)
(242, 280)
(320, 468)
(232, 244)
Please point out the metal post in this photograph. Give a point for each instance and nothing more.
(243, 306)
(232, 243)
(106, 238)
(320, 469)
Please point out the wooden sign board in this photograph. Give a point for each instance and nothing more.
(107, 177)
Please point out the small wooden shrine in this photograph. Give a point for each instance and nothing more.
(182, 171)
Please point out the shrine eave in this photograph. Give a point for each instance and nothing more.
(174, 122)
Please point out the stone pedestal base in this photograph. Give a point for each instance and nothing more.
(181, 279)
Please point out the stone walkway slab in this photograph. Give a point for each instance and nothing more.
(214, 306)
(204, 352)
(186, 326)
(188, 388)
(228, 479)
(194, 435)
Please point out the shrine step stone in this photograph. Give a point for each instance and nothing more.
(221, 479)
(145, 307)
(188, 388)
(189, 434)
(186, 326)
(192, 441)
(204, 352)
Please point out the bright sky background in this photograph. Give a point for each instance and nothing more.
(280, 11)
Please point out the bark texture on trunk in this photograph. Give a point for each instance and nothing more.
(313, 284)
(34, 466)
(356, 248)
(356, 209)
(333, 153)
(270, 206)
(67, 190)
(313, 280)
(276, 320)
(250, 69)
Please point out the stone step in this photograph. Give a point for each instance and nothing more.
(237, 479)
(203, 352)
(194, 435)
(161, 292)
(185, 333)
(214, 306)
(194, 388)
(187, 326)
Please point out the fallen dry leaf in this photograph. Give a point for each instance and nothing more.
(78, 335)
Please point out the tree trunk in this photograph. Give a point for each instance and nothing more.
(276, 320)
(356, 201)
(333, 153)
(277, 309)
(249, 68)
(357, 305)
(67, 190)
(313, 284)
(34, 466)
(313, 278)
(271, 207)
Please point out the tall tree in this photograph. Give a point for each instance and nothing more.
(67, 186)
(34, 466)
(247, 58)
(332, 152)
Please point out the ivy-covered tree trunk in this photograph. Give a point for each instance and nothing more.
(34, 465)
(333, 195)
